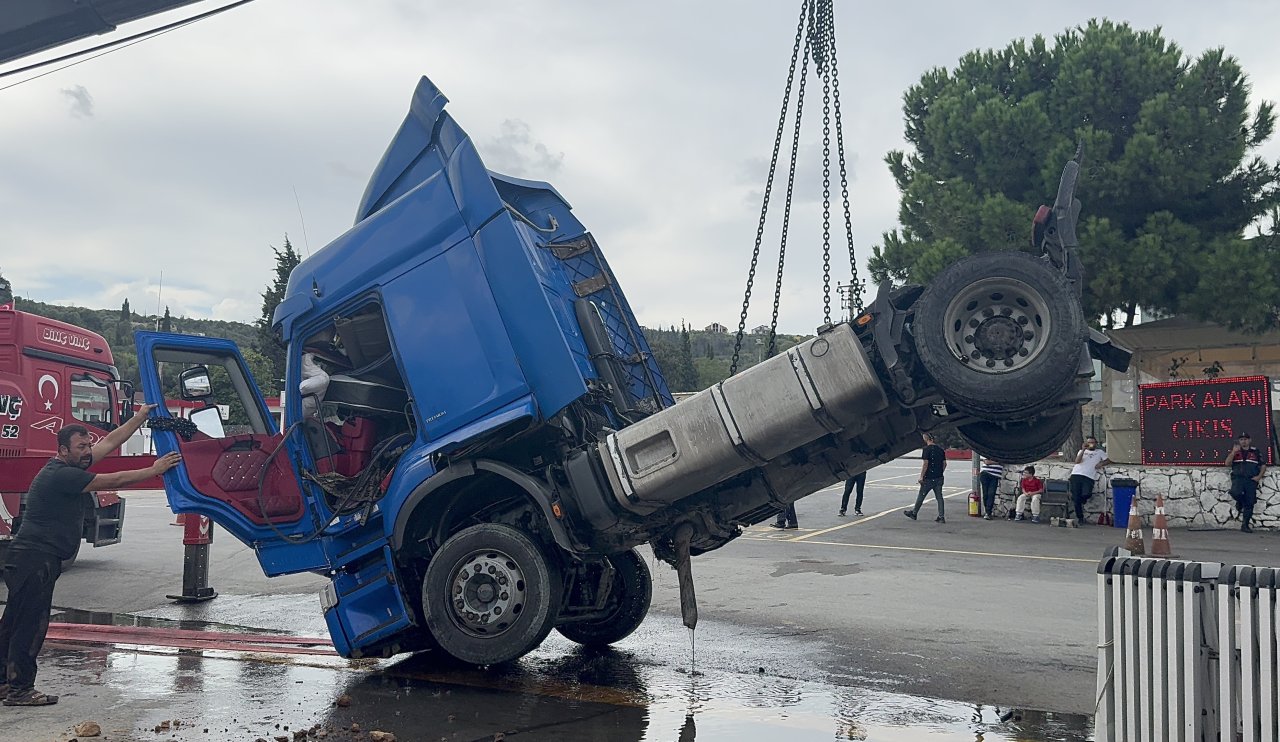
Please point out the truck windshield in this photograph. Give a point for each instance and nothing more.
(91, 401)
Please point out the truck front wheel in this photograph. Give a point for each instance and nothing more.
(490, 594)
(629, 598)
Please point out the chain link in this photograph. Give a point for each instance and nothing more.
(816, 32)
(855, 283)
(786, 209)
(768, 190)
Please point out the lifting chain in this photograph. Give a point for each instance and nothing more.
(816, 33)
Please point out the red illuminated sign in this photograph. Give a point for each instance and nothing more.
(1195, 423)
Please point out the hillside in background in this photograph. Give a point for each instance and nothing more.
(691, 360)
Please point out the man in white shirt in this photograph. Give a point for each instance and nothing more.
(1089, 463)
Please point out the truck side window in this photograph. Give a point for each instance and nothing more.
(91, 401)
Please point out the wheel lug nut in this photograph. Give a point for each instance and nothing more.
(968, 338)
(497, 610)
(1028, 335)
(1024, 352)
(502, 579)
(988, 312)
(1008, 362)
(976, 355)
(973, 323)
(505, 595)
(991, 363)
(492, 570)
(1022, 320)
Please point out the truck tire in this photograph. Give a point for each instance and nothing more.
(628, 604)
(1001, 335)
(490, 594)
(1019, 442)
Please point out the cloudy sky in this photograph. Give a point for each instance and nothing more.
(182, 155)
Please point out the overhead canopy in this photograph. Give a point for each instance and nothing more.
(30, 26)
(1190, 344)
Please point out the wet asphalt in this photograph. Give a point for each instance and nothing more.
(875, 628)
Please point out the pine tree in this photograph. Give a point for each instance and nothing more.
(269, 345)
(166, 322)
(1171, 173)
(687, 374)
(6, 291)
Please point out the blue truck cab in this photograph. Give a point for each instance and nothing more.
(477, 436)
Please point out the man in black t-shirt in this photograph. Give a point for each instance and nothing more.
(50, 533)
(933, 464)
(1247, 467)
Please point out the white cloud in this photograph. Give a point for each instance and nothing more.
(655, 120)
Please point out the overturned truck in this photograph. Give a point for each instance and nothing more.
(477, 436)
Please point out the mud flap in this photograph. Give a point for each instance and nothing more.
(364, 606)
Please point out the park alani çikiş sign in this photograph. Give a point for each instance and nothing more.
(1195, 423)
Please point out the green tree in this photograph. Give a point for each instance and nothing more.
(166, 322)
(1169, 181)
(124, 326)
(6, 290)
(267, 343)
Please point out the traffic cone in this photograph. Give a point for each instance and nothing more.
(1160, 546)
(1133, 542)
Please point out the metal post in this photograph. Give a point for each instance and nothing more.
(197, 535)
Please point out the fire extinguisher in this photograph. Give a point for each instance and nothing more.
(974, 504)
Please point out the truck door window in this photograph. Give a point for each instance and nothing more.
(91, 401)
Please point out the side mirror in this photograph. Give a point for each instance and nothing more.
(195, 383)
(208, 420)
(127, 407)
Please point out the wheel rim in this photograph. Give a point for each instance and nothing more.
(997, 325)
(486, 593)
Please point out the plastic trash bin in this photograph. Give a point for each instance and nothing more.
(1122, 493)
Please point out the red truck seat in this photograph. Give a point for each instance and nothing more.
(355, 440)
(228, 469)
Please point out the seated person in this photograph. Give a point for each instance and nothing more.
(1031, 487)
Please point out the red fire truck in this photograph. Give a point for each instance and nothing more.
(54, 374)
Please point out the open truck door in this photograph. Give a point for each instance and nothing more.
(236, 468)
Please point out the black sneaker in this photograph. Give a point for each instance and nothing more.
(940, 519)
(775, 524)
(840, 513)
(910, 514)
(856, 512)
(1246, 528)
(792, 526)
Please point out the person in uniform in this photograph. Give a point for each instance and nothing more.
(1247, 468)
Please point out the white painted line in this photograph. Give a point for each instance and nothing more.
(860, 521)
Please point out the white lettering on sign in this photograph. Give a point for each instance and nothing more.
(64, 338)
(10, 431)
(11, 405)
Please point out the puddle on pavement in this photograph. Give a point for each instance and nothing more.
(560, 692)
(583, 695)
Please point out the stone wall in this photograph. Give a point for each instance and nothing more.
(1194, 496)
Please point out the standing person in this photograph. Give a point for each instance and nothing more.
(989, 480)
(1089, 463)
(1247, 468)
(933, 464)
(858, 481)
(1031, 487)
(50, 533)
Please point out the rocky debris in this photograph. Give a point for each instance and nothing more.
(377, 736)
(342, 701)
(88, 729)
(162, 727)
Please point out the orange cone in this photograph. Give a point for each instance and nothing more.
(1133, 542)
(1160, 546)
